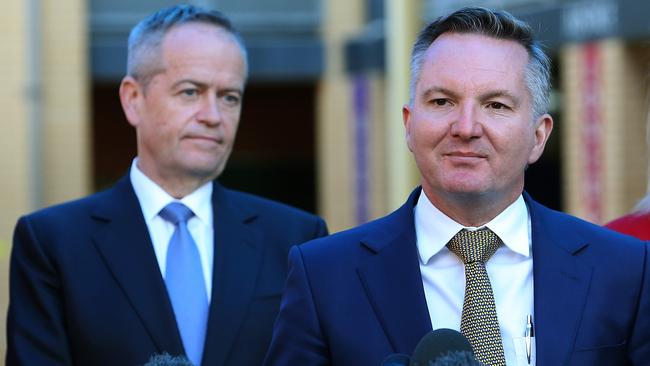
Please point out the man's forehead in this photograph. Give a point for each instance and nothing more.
(469, 43)
(196, 38)
(186, 33)
(474, 53)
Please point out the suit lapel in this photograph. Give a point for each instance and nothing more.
(124, 243)
(238, 252)
(561, 282)
(392, 280)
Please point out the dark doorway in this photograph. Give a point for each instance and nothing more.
(274, 155)
(114, 144)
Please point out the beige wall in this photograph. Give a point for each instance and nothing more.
(342, 20)
(59, 98)
(66, 129)
(15, 158)
(402, 26)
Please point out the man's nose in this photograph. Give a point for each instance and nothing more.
(210, 112)
(467, 125)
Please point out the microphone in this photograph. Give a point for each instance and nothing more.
(166, 359)
(457, 358)
(446, 346)
(397, 359)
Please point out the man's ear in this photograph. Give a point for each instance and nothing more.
(406, 117)
(543, 128)
(131, 97)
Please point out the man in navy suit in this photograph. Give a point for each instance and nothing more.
(88, 279)
(476, 119)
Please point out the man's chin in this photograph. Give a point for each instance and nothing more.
(467, 193)
(208, 171)
(468, 186)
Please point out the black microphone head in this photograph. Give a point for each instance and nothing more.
(437, 344)
(396, 359)
(167, 360)
(457, 358)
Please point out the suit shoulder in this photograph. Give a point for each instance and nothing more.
(278, 219)
(596, 234)
(266, 205)
(67, 209)
(349, 239)
(59, 227)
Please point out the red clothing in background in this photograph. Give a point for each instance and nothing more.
(635, 224)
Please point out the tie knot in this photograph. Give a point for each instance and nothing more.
(176, 213)
(474, 246)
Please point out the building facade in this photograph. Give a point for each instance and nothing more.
(321, 126)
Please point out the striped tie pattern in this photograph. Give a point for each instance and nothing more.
(479, 321)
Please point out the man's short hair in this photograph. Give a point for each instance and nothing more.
(143, 61)
(496, 24)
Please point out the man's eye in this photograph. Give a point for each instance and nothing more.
(190, 92)
(440, 102)
(497, 105)
(231, 99)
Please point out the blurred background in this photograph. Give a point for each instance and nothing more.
(321, 126)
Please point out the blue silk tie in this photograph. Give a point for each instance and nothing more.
(185, 283)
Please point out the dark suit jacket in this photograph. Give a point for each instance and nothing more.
(357, 296)
(85, 287)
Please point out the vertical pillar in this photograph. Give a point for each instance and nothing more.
(342, 20)
(402, 25)
(14, 103)
(605, 111)
(66, 127)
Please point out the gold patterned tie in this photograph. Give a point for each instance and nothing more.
(479, 321)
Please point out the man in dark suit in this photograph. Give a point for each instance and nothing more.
(469, 250)
(167, 260)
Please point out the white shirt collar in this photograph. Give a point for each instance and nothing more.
(153, 198)
(511, 226)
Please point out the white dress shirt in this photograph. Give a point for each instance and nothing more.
(510, 270)
(153, 199)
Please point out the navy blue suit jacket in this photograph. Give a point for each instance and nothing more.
(85, 287)
(357, 296)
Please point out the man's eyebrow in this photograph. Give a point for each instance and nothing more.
(189, 81)
(235, 90)
(439, 90)
(202, 85)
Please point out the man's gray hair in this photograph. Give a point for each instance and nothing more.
(496, 24)
(143, 61)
